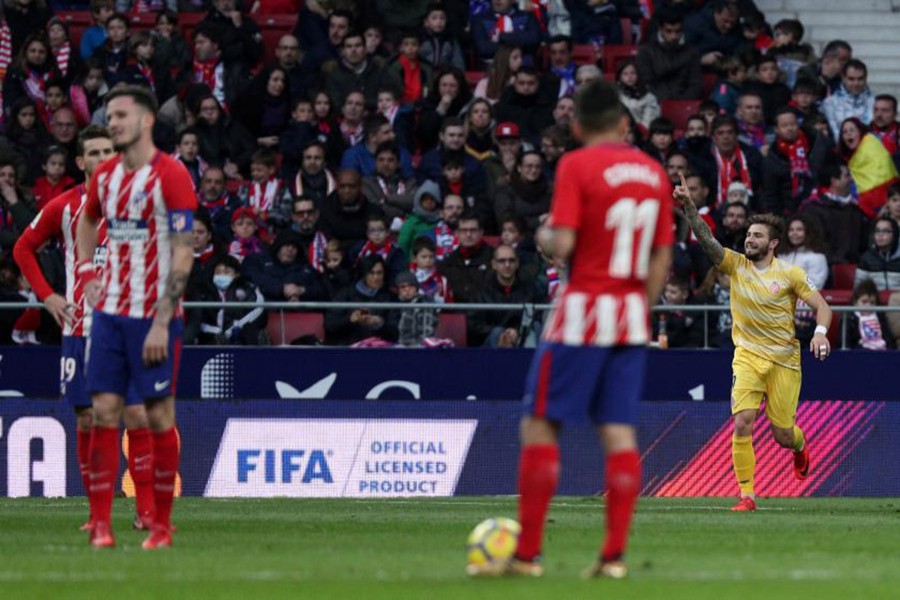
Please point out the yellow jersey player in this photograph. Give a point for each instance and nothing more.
(766, 365)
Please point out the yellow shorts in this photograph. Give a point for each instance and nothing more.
(755, 378)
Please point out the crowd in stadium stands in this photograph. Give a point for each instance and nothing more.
(375, 150)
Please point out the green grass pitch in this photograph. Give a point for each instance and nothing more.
(371, 549)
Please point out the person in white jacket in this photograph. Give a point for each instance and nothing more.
(642, 104)
(805, 250)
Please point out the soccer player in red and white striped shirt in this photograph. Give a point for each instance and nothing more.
(147, 199)
(611, 222)
(58, 220)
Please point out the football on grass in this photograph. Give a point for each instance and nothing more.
(493, 541)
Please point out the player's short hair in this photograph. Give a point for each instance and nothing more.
(264, 157)
(91, 132)
(141, 95)
(598, 107)
(773, 222)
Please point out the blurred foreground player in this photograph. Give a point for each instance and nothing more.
(611, 221)
(148, 201)
(58, 220)
(766, 365)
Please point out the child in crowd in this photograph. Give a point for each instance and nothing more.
(245, 241)
(115, 52)
(94, 36)
(662, 139)
(438, 48)
(265, 192)
(54, 181)
(791, 54)
(709, 110)
(431, 283)
(866, 329)
(803, 100)
(753, 27)
(172, 52)
(378, 242)
(55, 97)
(188, 152)
(374, 40)
(409, 68)
(683, 329)
(336, 273)
(87, 91)
(738, 192)
(642, 104)
(768, 85)
(732, 76)
(400, 115)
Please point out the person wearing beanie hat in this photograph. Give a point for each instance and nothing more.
(283, 273)
(244, 227)
(417, 324)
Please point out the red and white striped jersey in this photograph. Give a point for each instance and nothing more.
(619, 203)
(142, 209)
(58, 219)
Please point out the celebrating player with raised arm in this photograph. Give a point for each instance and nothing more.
(764, 294)
(58, 220)
(148, 201)
(611, 221)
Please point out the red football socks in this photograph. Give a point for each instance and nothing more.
(140, 463)
(165, 467)
(538, 476)
(83, 452)
(623, 484)
(104, 469)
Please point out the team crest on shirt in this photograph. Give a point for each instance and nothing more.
(139, 199)
(775, 288)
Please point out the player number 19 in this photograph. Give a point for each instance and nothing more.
(627, 216)
(66, 369)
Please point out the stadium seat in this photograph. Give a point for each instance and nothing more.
(452, 326)
(285, 327)
(473, 77)
(709, 83)
(842, 276)
(884, 297)
(626, 31)
(584, 54)
(615, 55)
(492, 240)
(838, 297)
(679, 111)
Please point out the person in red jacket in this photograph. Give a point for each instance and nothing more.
(54, 181)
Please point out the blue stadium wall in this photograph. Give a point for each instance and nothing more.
(386, 423)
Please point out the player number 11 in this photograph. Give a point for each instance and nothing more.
(627, 216)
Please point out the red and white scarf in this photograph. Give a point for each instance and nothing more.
(330, 184)
(352, 135)
(212, 73)
(434, 285)
(729, 171)
(391, 113)
(262, 197)
(62, 54)
(368, 249)
(504, 24)
(386, 191)
(888, 136)
(317, 251)
(36, 84)
(797, 153)
(5, 57)
(147, 72)
(444, 240)
(553, 281)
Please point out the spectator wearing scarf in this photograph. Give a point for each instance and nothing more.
(870, 164)
(29, 79)
(642, 104)
(788, 169)
(730, 161)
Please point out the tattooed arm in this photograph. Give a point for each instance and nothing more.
(708, 242)
(156, 346)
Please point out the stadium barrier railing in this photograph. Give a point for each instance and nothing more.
(527, 309)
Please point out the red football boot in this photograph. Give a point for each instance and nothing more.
(160, 537)
(801, 464)
(102, 535)
(746, 504)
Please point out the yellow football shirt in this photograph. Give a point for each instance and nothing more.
(762, 307)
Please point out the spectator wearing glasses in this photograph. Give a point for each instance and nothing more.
(881, 262)
(528, 194)
(465, 268)
(501, 329)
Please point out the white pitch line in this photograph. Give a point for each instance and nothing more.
(640, 508)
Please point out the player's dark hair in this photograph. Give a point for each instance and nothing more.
(834, 46)
(766, 58)
(373, 123)
(791, 27)
(517, 221)
(598, 107)
(378, 217)
(784, 110)
(662, 125)
(188, 131)
(91, 132)
(353, 33)
(313, 143)
(679, 282)
(775, 225)
(367, 263)
(560, 39)
(811, 238)
(389, 147)
(119, 17)
(141, 95)
(225, 260)
(470, 215)
(805, 85)
(668, 16)
(722, 121)
(452, 121)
